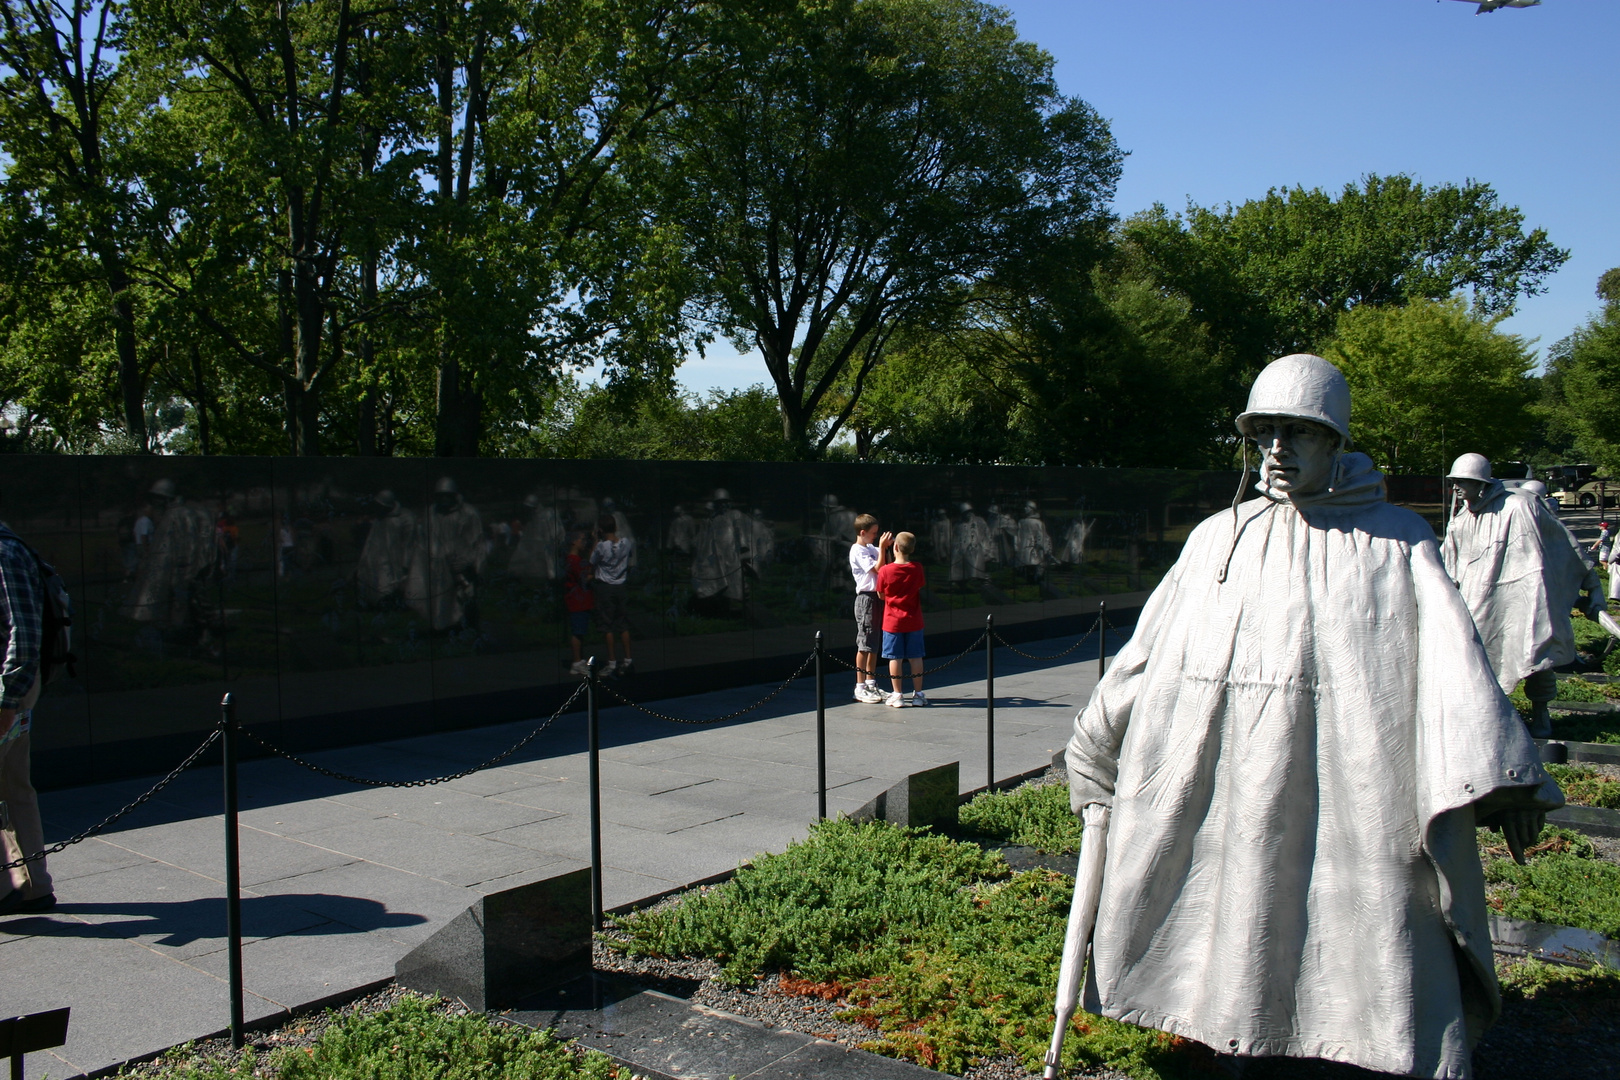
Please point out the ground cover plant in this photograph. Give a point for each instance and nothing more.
(1034, 815)
(1585, 786)
(943, 953)
(414, 1038)
(1565, 882)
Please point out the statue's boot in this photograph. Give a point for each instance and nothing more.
(1540, 720)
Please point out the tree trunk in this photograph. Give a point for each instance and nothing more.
(448, 411)
(131, 377)
(200, 390)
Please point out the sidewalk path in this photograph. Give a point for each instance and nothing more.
(340, 882)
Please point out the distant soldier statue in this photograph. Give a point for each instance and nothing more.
(540, 545)
(683, 531)
(1034, 543)
(970, 546)
(385, 559)
(174, 562)
(1297, 744)
(1519, 571)
(443, 581)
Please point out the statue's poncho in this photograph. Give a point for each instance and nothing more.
(1293, 756)
(1519, 571)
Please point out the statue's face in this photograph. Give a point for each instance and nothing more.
(1296, 455)
(1470, 490)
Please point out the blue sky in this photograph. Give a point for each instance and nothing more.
(1219, 100)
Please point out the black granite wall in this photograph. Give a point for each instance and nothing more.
(342, 603)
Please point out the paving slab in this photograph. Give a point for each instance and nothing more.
(342, 881)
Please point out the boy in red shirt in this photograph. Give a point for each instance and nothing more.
(899, 584)
(577, 597)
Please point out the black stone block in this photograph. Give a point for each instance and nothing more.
(507, 945)
(925, 798)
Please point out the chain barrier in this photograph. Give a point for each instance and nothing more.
(365, 781)
(958, 658)
(191, 759)
(1087, 636)
(622, 700)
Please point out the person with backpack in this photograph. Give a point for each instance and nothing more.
(22, 622)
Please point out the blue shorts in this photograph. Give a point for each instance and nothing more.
(579, 623)
(905, 645)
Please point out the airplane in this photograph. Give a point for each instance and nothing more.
(1492, 5)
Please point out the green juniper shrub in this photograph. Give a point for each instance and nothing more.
(1578, 689)
(1528, 980)
(1586, 786)
(940, 951)
(1033, 815)
(1565, 883)
(413, 1039)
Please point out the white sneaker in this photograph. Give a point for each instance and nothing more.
(626, 667)
(919, 698)
(580, 668)
(868, 694)
(895, 701)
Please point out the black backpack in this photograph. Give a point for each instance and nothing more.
(56, 619)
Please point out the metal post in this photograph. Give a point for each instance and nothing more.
(233, 868)
(821, 732)
(989, 702)
(1102, 636)
(594, 734)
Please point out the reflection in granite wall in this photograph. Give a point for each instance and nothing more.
(347, 599)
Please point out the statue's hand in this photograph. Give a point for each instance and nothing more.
(1520, 828)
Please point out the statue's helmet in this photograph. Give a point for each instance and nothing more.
(164, 488)
(830, 502)
(1300, 386)
(385, 497)
(1534, 487)
(531, 500)
(1470, 467)
(721, 495)
(445, 486)
(1029, 506)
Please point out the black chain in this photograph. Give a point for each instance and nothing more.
(953, 660)
(191, 759)
(718, 719)
(1087, 636)
(369, 782)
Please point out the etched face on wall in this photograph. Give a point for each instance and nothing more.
(1296, 455)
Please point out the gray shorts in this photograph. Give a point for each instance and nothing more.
(868, 609)
(612, 606)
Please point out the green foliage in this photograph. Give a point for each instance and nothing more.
(1565, 883)
(1529, 979)
(1586, 786)
(1033, 815)
(1273, 275)
(1428, 377)
(1578, 689)
(846, 903)
(1584, 370)
(413, 1039)
(650, 421)
(947, 960)
(1065, 367)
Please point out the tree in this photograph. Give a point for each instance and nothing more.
(859, 163)
(1584, 370)
(1094, 368)
(1432, 380)
(651, 420)
(64, 91)
(1274, 275)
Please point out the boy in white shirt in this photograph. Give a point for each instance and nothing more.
(611, 562)
(865, 556)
